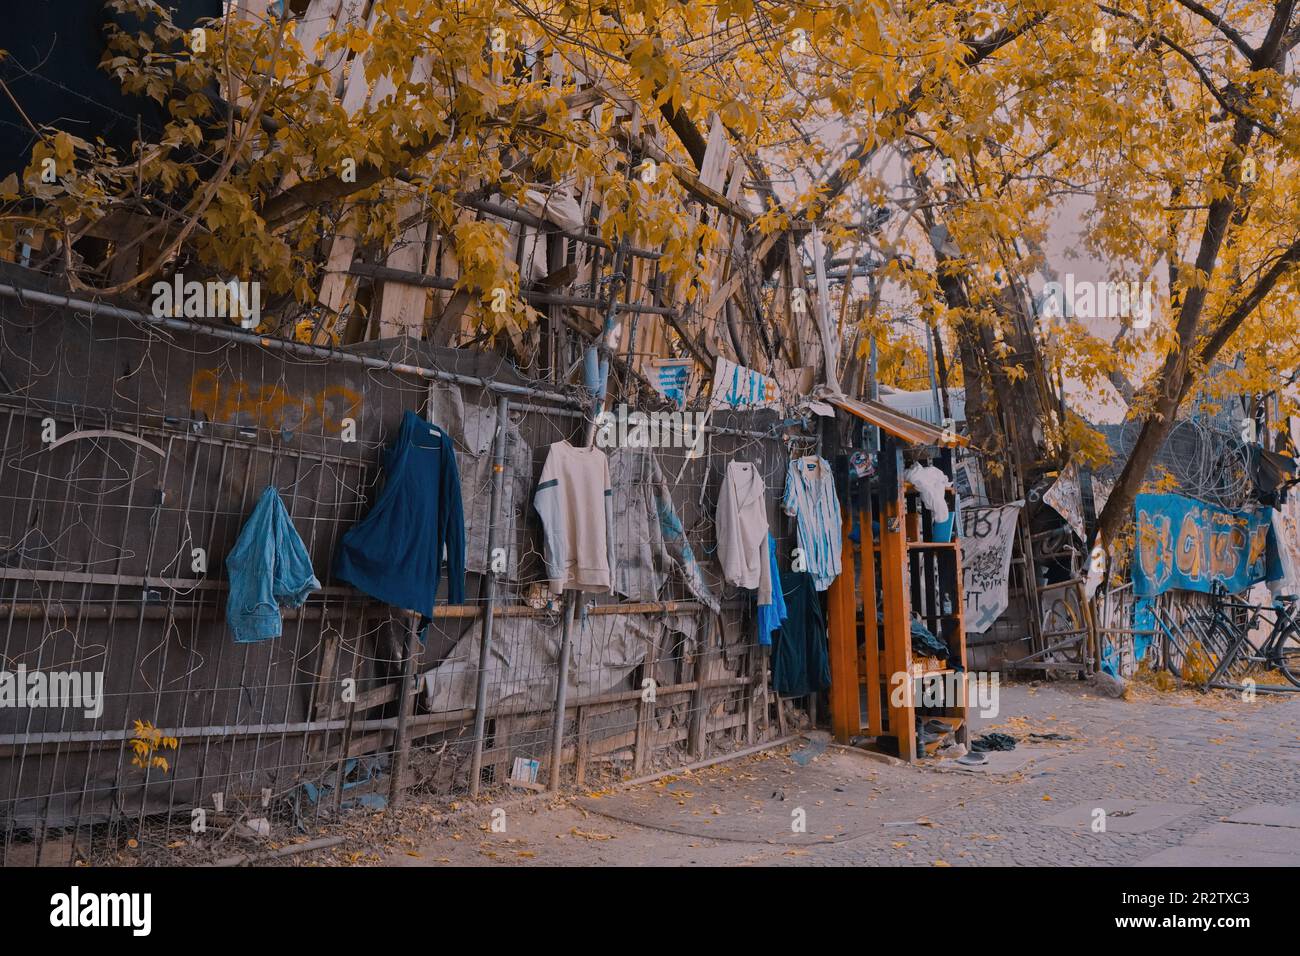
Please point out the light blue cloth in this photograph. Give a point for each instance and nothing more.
(772, 616)
(811, 500)
(267, 568)
(1144, 619)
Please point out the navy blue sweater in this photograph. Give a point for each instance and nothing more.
(395, 553)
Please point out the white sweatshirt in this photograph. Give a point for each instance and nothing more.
(576, 504)
(742, 530)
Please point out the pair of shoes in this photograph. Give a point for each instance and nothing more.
(973, 759)
(937, 727)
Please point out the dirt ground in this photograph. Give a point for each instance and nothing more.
(1178, 778)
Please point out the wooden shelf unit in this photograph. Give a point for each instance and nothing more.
(898, 576)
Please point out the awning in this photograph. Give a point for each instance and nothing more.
(901, 426)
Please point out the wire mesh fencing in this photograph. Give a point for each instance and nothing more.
(132, 456)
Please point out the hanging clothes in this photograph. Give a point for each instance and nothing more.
(396, 553)
(640, 561)
(774, 613)
(575, 502)
(800, 660)
(931, 483)
(742, 530)
(473, 428)
(811, 500)
(267, 568)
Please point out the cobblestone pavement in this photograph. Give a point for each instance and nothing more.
(1182, 778)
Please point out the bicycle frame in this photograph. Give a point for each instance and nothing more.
(1240, 647)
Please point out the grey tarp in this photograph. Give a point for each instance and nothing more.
(649, 540)
(606, 649)
(474, 429)
(639, 556)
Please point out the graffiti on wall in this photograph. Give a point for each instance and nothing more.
(1185, 543)
(271, 406)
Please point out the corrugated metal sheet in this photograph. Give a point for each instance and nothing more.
(901, 426)
(920, 404)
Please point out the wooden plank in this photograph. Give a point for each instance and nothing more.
(846, 716)
(338, 287)
(871, 631)
(717, 153)
(645, 713)
(401, 307)
(751, 692)
(406, 707)
(830, 344)
(324, 677)
(894, 595)
(696, 718)
(582, 747)
(718, 299)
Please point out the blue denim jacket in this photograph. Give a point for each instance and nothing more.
(268, 567)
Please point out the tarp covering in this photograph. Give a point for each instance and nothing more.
(606, 649)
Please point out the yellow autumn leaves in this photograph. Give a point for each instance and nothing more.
(146, 743)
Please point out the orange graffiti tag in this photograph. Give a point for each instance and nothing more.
(270, 406)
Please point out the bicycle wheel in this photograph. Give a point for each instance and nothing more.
(1287, 655)
(1198, 650)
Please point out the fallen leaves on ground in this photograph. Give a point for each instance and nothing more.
(590, 835)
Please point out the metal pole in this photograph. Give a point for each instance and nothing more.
(490, 594)
(562, 688)
(401, 744)
(408, 277)
(24, 295)
(934, 382)
(572, 598)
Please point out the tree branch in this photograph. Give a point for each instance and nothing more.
(1222, 26)
(842, 178)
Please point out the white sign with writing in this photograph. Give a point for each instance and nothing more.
(987, 537)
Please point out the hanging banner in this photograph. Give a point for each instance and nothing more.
(670, 378)
(1188, 544)
(1066, 499)
(737, 387)
(987, 535)
(1284, 548)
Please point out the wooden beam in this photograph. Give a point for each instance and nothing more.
(870, 630)
(842, 634)
(896, 599)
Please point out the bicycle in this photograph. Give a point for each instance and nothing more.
(1242, 659)
(1193, 646)
(1213, 648)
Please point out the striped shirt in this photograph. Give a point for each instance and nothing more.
(810, 499)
